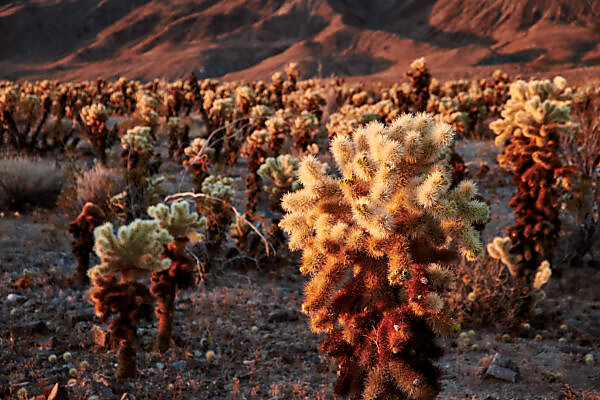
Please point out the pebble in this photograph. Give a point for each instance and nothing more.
(500, 368)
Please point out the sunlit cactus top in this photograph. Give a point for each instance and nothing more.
(395, 180)
(94, 113)
(137, 248)
(197, 147)
(282, 172)
(178, 220)
(138, 139)
(221, 108)
(219, 187)
(147, 106)
(534, 108)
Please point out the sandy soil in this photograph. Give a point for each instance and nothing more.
(250, 319)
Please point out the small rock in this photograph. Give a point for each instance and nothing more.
(500, 369)
(178, 364)
(13, 298)
(283, 316)
(100, 336)
(29, 328)
(29, 303)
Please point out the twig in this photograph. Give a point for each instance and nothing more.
(177, 196)
(206, 144)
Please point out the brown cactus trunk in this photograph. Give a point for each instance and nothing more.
(164, 288)
(81, 269)
(165, 309)
(126, 367)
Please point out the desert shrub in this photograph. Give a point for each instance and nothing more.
(28, 182)
(483, 294)
(583, 200)
(376, 244)
(98, 185)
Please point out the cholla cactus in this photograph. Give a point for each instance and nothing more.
(305, 126)
(293, 72)
(139, 161)
(255, 156)
(533, 119)
(218, 214)
(387, 223)
(282, 172)
(183, 226)
(178, 137)
(198, 158)
(136, 250)
(178, 220)
(137, 139)
(82, 229)
(499, 249)
(93, 118)
(219, 187)
(244, 99)
(147, 109)
(94, 115)
(349, 117)
(420, 80)
(26, 109)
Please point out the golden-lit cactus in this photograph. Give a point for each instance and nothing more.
(376, 244)
(183, 226)
(93, 118)
(349, 117)
(530, 128)
(305, 127)
(147, 110)
(134, 252)
(198, 158)
(420, 78)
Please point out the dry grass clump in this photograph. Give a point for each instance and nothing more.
(97, 185)
(28, 182)
(483, 293)
(583, 201)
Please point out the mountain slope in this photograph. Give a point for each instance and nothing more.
(239, 39)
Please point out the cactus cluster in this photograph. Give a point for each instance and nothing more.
(136, 250)
(281, 173)
(375, 243)
(183, 226)
(533, 119)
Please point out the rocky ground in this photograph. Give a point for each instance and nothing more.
(239, 333)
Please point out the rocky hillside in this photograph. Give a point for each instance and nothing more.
(240, 39)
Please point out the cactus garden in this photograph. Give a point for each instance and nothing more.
(300, 238)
